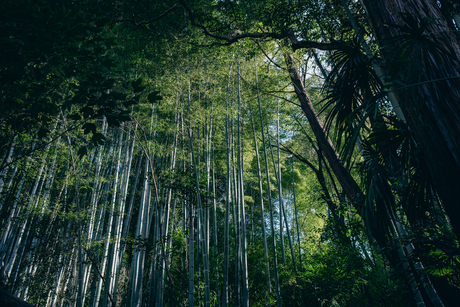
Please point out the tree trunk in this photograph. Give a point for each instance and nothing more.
(270, 208)
(264, 231)
(296, 215)
(278, 179)
(227, 205)
(349, 185)
(430, 98)
(244, 265)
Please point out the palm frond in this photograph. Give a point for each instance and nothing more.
(352, 91)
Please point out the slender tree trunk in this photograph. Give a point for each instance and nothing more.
(200, 219)
(11, 258)
(227, 203)
(108, 247)
(142, 231)
(244, 265)
(264, 231)
(278, 180)
(296, 215)
(191, 254)
(80, 292)
(272, 225)
(282, 211)
(214, 202)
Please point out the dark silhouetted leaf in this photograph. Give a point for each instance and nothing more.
(89, 127)
(82, 151)
(154, 96)
(137, 86)
(98, 139)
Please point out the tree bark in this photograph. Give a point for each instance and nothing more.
(430, 96)
(349, 185)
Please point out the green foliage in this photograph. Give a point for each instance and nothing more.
(68, 72)
(351, 96)
(59, 61)
(339, 274)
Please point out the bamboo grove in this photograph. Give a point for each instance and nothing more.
(218, 153)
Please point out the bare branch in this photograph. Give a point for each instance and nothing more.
(266, 55)
(282, 98)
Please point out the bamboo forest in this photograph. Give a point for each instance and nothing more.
(230, 153)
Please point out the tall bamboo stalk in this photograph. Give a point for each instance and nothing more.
(296, 215)
(278, 179)
(227, 201)
(244, 257)
(272, 225)
(261, 195)
(281, 205)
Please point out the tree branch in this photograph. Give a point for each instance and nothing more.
(300, 158)
(237, 35)
(150, 20)
(266, 55)
(333, 45)
(230, 39)
(282, 98)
